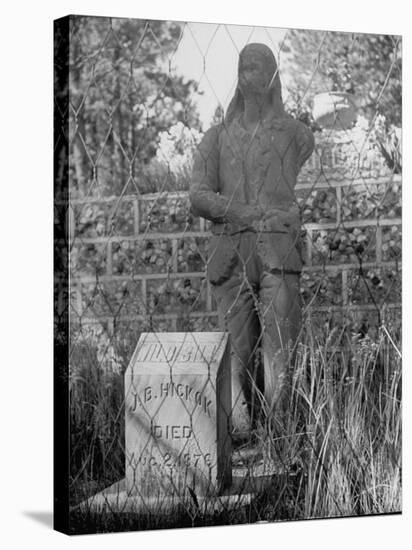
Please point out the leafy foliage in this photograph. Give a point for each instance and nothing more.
(123, 93)
(365, 64)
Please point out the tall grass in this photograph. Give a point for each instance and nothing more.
(338, 446)
(343, 429)
(96, 424)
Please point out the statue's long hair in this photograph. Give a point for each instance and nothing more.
(237, 103)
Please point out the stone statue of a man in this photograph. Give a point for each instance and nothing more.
(244, 176)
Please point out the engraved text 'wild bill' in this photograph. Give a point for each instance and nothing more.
(174, 353)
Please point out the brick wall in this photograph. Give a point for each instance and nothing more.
(138, 262)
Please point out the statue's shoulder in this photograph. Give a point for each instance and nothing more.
(212, 135)
(302, 127)
(210, 140)
(303, 133)
(294, 123)
(305, 141)
(216, 130)
(285, 123)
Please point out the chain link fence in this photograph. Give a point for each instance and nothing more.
(139, 259)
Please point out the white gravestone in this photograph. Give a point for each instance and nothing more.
(178, 414)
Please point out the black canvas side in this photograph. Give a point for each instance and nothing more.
(61, 280)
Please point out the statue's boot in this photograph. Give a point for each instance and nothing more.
(241, 421)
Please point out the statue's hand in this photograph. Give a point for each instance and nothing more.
(278, 219)
(251, 215)
(259, 225)
(275, 219)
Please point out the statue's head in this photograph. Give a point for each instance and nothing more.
(257, 75)
(257, 70)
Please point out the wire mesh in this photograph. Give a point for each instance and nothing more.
(313, 326)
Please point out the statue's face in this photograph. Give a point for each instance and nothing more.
(254, 74)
